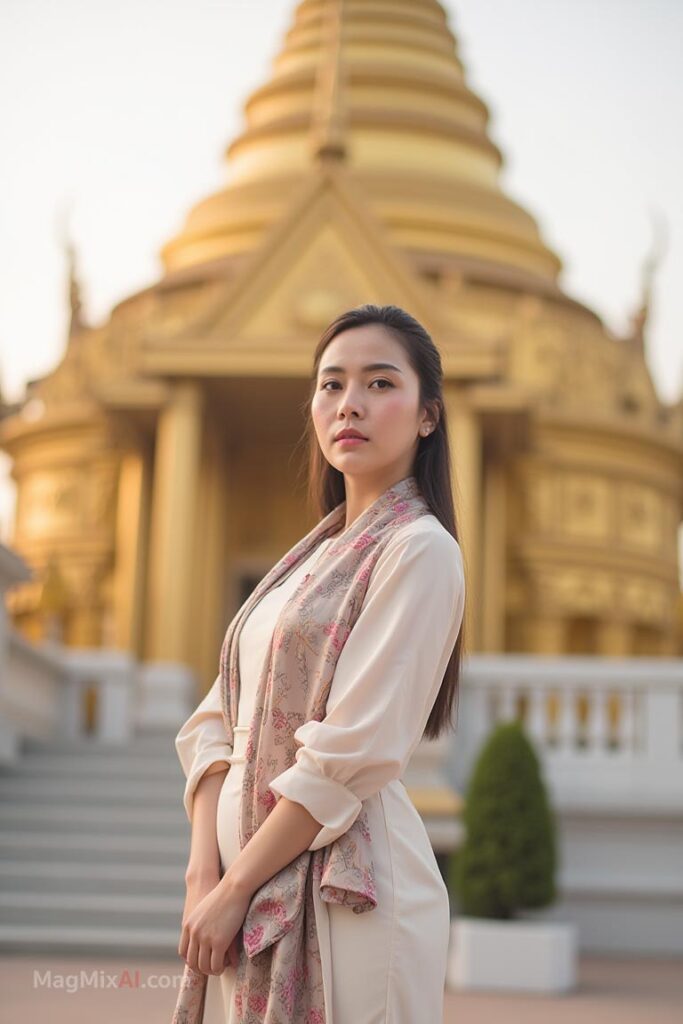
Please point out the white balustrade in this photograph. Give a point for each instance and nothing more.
(606, 729)
(43, 691)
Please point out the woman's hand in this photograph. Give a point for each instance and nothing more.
(211, 924)
(197, 886)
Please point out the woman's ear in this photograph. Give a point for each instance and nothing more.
(430, 421)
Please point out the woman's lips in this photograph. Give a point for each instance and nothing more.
(351, 441)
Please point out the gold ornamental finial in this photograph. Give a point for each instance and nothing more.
(640, 318)
(328, 119)
(76, 321)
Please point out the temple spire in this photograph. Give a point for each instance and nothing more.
(328, 119)
(378, 89)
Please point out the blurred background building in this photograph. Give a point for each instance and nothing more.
(159, 468)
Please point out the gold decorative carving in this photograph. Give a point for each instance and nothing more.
(51, 503)
(574, 591)
(640, 516)
(585, 504)
(646, 601)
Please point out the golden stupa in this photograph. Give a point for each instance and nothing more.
(158, 466)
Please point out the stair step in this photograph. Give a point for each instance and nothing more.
(96, 767)
(114, 909)
(167, 793)
(143, 745)
(111, 849)
(101, 820)
(95, 903)
(89, 939)
(72, 876)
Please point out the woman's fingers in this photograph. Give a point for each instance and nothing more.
(184, 942)
(191, 957)
(233, 953)
(204, 957)
(217, 961)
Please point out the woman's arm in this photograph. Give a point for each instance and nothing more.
(288, 830)
(204, 862)
(201, 743)
(203, 871)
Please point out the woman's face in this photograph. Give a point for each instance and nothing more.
(365, 382)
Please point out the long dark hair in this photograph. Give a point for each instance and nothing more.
(431, 468)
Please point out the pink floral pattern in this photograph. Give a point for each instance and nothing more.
(279, 975)
(191, 996)
(338, 632)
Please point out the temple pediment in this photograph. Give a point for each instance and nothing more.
(326, 255)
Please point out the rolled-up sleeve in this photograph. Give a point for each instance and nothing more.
(385, 682)
(201, 741)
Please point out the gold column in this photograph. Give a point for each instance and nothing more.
(494, 557)
(209, 610)
(132, 519)
(174, 499)
(85, 622)
(466, 467)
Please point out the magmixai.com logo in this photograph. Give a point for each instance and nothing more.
(78, 980)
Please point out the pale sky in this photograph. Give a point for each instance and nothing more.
(122, 110)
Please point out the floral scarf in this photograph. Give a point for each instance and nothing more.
(279, 975)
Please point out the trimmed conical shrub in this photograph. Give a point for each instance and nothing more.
(507, 862)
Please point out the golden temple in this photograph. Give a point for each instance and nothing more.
(158, 467)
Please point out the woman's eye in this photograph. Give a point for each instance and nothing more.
(379, 380)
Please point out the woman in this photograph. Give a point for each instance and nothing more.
(346, 655)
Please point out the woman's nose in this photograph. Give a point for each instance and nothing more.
(349, 408)
(349, 404)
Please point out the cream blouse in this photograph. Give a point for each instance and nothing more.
(386, 680)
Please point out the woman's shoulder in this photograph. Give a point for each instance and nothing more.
(427, 535)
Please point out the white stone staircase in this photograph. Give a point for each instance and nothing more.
(93, 847)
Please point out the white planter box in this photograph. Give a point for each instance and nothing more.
(527, 956)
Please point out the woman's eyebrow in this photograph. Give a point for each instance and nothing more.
(364, 369)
